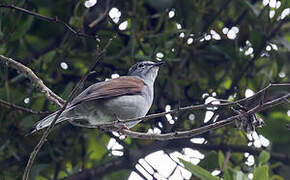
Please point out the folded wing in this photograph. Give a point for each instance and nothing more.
(125, 85)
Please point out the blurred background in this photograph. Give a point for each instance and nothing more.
(213, 49)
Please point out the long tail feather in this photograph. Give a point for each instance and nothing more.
(47, 121)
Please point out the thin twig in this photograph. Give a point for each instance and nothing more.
(36, 81)
(13, 106)
(102, 17)
(48, 130)
(49, 19)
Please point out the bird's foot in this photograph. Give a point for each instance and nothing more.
(120, 125)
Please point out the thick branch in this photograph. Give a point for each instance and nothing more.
(37, 82)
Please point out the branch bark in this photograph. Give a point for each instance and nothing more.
(36, 81)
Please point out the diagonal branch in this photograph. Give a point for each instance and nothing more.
(49, 19)
(48, 130)
(36, 81)
(102, 17)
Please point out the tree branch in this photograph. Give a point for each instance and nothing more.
(48, 19)
(48, 130)
(198, 131)
(36, 81)
(13, 106)
(102, 17)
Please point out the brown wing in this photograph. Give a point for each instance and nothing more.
(125, 85)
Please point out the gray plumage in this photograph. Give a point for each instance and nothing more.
(122, 98)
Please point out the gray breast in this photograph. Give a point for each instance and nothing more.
(122, 107)
(131, 106)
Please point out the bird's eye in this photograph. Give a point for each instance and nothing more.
(141, 66)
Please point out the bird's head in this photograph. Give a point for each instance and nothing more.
(146, 70)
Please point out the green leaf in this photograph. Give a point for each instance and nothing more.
(48, 57)
(276, 132)
(241, 176)
(263, 158)
(75, 21)
(67, 90)
(227, 175)
(221, 159)
(226, 83)
(96, 146)
(38, 103)
(28, 121)
(22, 28)
(36, 169)
(255, 9)
(261, 173)
(198, 171)
(276, 177)
(210, 161)
(256, 38)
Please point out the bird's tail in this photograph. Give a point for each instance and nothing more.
(47, 121)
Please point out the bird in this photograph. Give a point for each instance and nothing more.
(121, 98)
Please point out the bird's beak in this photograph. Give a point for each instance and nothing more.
(159, 63)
